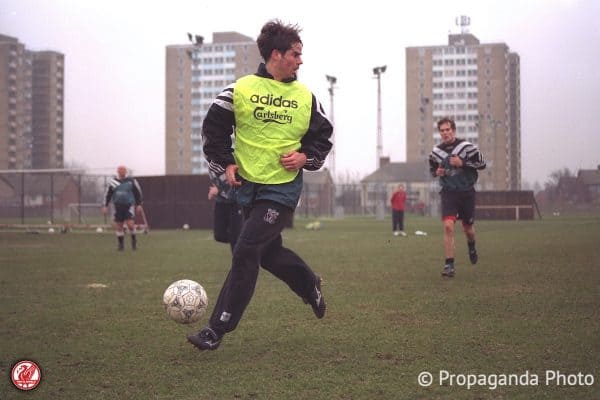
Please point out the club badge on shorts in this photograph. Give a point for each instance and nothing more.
(271, 216)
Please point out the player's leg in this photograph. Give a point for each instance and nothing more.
(119, 218)
(467, 215)
(401, 222)
(132, 230)
(449, 213)
(262, 225)
(120, 235)
(470, 234)
(448, 223)
(286, 265)
(130, 221)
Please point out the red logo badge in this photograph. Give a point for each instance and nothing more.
(26, 375)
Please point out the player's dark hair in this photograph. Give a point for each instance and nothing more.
(275, 35)
(447, 120)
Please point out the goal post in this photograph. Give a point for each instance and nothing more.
(518, 210)
(517, 205)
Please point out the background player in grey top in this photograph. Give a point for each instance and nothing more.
(126, 195)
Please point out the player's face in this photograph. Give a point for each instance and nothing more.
(122, 172)
(447, 133)
(290, 61)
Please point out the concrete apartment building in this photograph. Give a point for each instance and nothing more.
(477, 84)
(47, 94)
(195, 75)
(31, 107)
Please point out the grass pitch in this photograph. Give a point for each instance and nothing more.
(528, 308)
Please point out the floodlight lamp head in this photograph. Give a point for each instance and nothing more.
(379, 70)
(331, 79)
(199, 40)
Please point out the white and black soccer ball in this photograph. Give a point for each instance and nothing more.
(185, 301)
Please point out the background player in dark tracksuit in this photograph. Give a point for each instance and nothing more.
(126, 196)
(280, 128)
(227, 221)
(456, 161)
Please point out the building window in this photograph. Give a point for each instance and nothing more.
(449, 85)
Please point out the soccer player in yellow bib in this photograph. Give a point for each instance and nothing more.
(280, 129)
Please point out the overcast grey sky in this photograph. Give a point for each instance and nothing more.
(115, 59)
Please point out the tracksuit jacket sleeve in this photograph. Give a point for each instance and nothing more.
(315, 143)
(217, 128)
(137, 193)
(107, 196)
(433, 165)
(473, 158)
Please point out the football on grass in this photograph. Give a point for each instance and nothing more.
(185, 301)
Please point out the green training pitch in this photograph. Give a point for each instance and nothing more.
(93, 319)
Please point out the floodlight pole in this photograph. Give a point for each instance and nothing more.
(332, 81)
(377, 71)
(194, 55)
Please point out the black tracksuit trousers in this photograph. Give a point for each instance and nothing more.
(227, 223)
(397, 220)
(259, 243)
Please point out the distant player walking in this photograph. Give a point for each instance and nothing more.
(456, 161)
(398, 202)
(126, 196)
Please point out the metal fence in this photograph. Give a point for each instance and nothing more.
(30, 198)
(51, 198)
(75, 198)
(359, 199)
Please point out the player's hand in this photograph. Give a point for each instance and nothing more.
(104, 210)
(456, 161)
(230, 174)
(212, 192)
(440, 171)
(293, 160)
